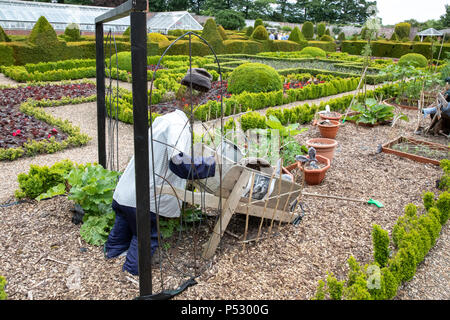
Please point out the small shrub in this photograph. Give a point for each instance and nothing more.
(3, 282)
(444, 182)
(335, 287)
(260, 33)
(296, 35)
(320, 292)
(249, 31)
(428, 200)
(254, 77)
(443, 205)
(308, 30)
(314, 52)
(222, 32)
(341, 36)
(3, 36)
(380, 241)
(156, 37)
(416, 38)
(252, 120)
(40, 179)
(415, 59)
(326, 38)
(72, 31)
(394, 37)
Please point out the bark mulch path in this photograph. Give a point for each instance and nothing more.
(42, 253)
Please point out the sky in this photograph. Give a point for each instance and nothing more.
(394, 11)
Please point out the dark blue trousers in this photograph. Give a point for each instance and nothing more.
(123, 236)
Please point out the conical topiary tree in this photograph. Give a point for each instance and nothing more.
(249, 31)
(308, 30)
(296, 35)
(260, 33)
(3, 36)
(321, 27)
(222, 32)
(210, 32)
(394, 37)
(341, 36)
(43, 33)
(212, 35)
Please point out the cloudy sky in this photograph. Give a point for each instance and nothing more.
(394, 11)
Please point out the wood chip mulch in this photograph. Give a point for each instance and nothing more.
(43, 255)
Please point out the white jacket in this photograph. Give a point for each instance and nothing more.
(173, 130)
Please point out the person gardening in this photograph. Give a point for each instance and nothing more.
(172, 165)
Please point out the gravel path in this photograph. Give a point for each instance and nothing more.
(43, 249)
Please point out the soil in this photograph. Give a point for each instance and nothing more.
(421, 150)
(319, 164)
(17, 128)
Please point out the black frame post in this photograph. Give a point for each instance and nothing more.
(101, 104)
(138, 34)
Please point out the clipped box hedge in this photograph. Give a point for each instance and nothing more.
(384, 48)
(324, 45)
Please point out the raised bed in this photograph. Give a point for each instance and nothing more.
(406, 103)
(417, 150)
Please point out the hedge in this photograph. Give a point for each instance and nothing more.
(384, 48)
(413, 236)
(21, 53)
(325, 45)
(254, 101)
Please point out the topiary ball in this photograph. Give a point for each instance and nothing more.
(314, 52)
(260, 33)
(156, 37)
(326, 37)
(415, 59)
(254, 77)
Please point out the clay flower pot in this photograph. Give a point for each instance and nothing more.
(324, 147)
(328, 130)
(330, 116)
(316, 176)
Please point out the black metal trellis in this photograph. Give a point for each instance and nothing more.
(136, 9)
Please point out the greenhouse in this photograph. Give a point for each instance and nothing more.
(22, 15)
(162, 22)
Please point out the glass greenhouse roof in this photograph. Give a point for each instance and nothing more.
(164, 21)
(24, 14)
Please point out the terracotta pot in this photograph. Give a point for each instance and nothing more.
(287, 170)
(314, 177)
(329, 131)
(324, 117)
(324, 146)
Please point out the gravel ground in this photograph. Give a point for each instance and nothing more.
(43, 252)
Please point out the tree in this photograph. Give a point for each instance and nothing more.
(196, 6)
(230, 19)
(445, 18)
